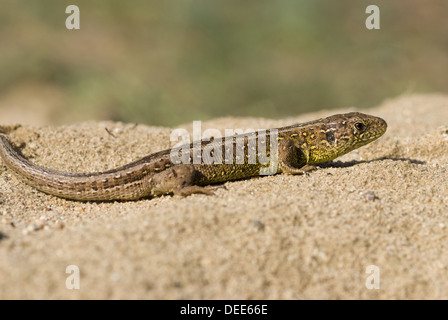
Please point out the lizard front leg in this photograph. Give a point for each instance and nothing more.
(291, 159)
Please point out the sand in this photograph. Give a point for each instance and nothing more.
(275, 237)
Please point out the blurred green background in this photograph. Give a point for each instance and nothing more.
(171, 62)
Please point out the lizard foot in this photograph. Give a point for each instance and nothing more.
(188, 190)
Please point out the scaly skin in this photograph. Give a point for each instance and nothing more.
(299, 147)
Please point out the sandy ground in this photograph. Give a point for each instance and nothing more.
(276, 237)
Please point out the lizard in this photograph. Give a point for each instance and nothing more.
(298, 148)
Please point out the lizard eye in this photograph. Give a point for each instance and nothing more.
(360, 126)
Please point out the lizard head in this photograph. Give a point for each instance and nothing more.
(342, 133)
(358, 129)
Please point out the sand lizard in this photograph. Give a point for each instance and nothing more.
(298, 148)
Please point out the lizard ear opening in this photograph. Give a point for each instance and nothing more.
(330, 137)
